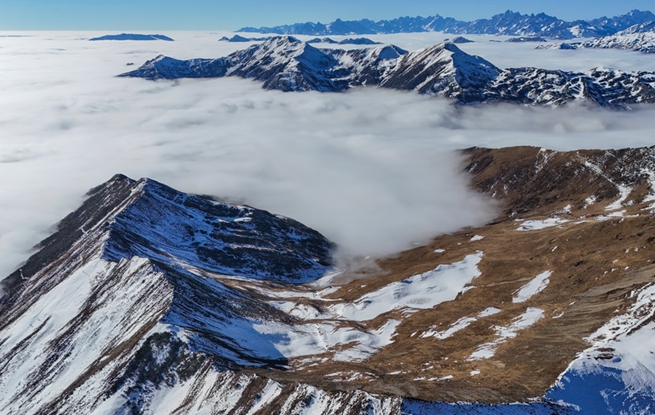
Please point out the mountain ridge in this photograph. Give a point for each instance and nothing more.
(290, 65)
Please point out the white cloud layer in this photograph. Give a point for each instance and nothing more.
(371, 169)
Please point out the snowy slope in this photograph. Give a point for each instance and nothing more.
(131, 271)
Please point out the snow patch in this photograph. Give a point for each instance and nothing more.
(421, 291)
(538, 284)
(533, 225)
(460, 324)
(522, 322)
(489, 311)
(624, 192)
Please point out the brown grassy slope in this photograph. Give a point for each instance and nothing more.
(596, 262)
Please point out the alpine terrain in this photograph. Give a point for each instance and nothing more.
(288, 64)
(147, 300)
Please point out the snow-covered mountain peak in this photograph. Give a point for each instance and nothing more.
(388, 52)
(177, 229)
(443, 69)
(124, 218)
(282, 43)
(448, 53)
(287, 64)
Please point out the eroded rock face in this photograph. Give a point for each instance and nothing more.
(149, 300)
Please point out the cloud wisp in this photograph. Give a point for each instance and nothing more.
(373, 170)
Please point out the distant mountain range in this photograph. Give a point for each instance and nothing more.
(508, 23)
(287, 64)
(348, 41)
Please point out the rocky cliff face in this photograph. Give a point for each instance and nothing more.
(148, 300)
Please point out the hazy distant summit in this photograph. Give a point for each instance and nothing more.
(132, 36)
(508, 23)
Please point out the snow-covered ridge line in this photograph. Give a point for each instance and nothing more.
(287, 64)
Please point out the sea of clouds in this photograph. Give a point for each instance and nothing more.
(374, 170)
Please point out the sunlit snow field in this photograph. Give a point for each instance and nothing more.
(374, 170)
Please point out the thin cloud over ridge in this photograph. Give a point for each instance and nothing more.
(374, 170)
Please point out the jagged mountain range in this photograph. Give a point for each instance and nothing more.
(288, 64)
(508, 23)
(327, 40)
(147, 300)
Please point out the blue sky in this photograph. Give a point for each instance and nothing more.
(230, 15)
